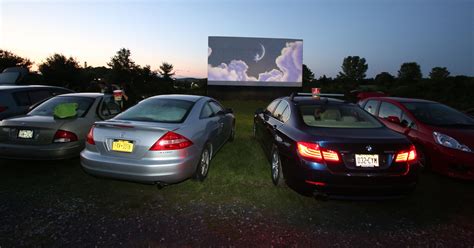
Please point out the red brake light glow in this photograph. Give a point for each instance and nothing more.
(406, 156)
(171, 141)
(62, 136)
(310, 150)
(316, 153)
(90, 136)
(3, 108)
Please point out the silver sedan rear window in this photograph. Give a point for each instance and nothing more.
(158, 110)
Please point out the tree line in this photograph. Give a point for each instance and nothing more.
(60, 70)
(439, 86)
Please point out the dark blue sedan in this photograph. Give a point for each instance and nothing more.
(334, 148)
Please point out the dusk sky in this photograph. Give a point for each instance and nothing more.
(385, 32)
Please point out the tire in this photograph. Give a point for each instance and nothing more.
(204, 163)
(424, 161)
(232, 133)
(276, 170)
(254, 130)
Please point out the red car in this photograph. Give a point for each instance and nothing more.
(443, 136)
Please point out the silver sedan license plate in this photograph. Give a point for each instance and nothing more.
(367, 160)
(25, 134)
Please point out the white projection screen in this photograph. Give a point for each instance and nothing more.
(239, 61)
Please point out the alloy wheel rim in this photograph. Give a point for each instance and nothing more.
(275, 166)
(204, 162)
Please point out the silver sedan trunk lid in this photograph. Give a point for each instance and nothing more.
(128, 139)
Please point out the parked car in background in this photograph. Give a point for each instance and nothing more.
(163, 139)
(55, 129)
(13, 75)
(361, 95)
(16, 100)
(335, 148)
(443, 136)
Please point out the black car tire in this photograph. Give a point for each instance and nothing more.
(254, 130)
(204, 163)
(424, 161)
(276, 170)
(232, 133)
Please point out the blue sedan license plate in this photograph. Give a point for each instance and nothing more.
(367, 160)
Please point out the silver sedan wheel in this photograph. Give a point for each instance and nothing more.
(205, 158)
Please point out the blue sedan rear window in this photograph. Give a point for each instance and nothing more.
(337, 116)
(158, 110)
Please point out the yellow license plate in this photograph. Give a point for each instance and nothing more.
(122, 146)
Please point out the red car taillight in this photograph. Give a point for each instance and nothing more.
(316, 153)
(62, 136)
(406, 156)
(90, 136)
(171, 141)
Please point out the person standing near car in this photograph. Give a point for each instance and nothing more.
(128, 95)
(105, 88)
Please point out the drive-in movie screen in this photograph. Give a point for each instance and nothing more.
(219, 123)
(255, 61)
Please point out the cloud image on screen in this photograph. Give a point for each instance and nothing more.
(255, 61)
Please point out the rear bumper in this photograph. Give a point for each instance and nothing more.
(320, 179)
(56, 151)
(139, 170)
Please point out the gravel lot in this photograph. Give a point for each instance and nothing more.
(54, 204)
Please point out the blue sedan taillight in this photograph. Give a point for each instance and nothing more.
(316, 153)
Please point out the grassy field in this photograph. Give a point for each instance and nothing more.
(240, 176)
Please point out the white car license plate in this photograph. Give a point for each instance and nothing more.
(367, 160)
(25, 134)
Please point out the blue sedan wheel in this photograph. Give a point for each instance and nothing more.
(277, 173)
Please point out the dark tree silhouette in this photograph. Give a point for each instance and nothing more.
(308, 75)
(61, 71)
(123, 67)
(166, 71)
(409, 71)
(353, 68)
(439, 73)
(384, 78)
(9, 59)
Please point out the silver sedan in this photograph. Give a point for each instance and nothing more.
(42, 134)
(163, 139)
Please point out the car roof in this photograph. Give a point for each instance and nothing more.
(312, 100)
(191, 98)
(85, 94)
(14, 87)
(401, 99)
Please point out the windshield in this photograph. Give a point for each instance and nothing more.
(438, 114)
(47, 108)
(158, 110)
(337, 116)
